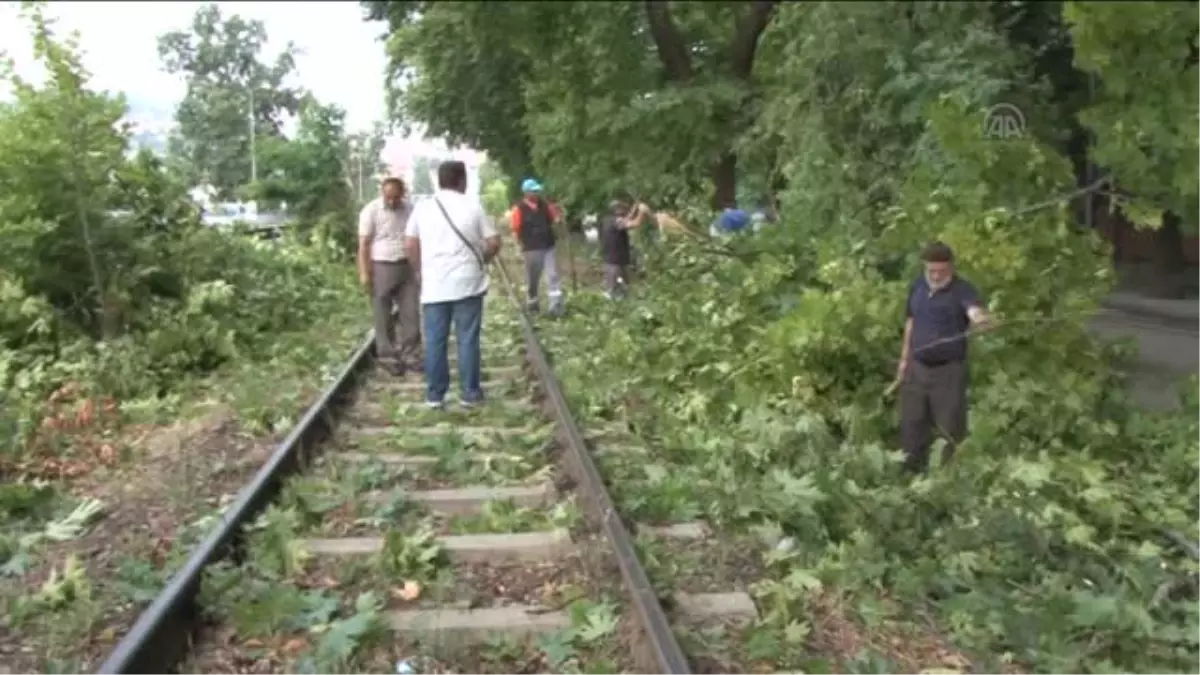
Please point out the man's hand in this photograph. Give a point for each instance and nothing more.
(364, 279)
(981, 320)
(900, 370)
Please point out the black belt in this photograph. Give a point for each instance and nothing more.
(938, 364)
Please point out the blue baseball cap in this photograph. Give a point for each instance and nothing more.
(531, 185)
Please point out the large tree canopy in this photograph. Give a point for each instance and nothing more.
(659, 90)
(471, 95)
(229, 87)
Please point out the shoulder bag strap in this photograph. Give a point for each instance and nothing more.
(478, 257)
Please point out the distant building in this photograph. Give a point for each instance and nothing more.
(400, 156)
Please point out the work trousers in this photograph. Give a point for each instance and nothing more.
(932, 399)
(395, 302)
(535, 263)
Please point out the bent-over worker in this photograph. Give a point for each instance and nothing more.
(618, 254)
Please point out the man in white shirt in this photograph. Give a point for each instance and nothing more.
(384, 271)
(451, 240)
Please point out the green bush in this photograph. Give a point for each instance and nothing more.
(111, 282)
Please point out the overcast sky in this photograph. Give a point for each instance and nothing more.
(342, 61)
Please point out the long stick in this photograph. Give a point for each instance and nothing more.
(571, 259)
(971, 332)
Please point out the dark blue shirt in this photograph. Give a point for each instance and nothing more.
(938, 316)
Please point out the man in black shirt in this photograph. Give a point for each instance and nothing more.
(614, 243)
(933, 371)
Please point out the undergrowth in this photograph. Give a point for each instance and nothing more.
(757, 379)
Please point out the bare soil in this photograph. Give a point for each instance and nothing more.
(175, 475)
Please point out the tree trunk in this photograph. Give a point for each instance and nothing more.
(676, 59)
(1169, 263)
(724, 177)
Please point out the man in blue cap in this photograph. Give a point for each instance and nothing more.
(532, 221)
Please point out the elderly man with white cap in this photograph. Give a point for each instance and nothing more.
(532, 221)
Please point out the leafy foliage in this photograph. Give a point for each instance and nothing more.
(759, 374)
(229, 88)
(308, 174)
(654, 94)
(469, 97)
(113, 284)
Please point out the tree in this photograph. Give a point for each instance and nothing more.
(233, 99)
(672, 93)
(110, 283)
(366, 160)
(59, 195)
(308, 173)
(1144, 115)
(469, 97)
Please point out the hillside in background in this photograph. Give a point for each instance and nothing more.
(152, 124)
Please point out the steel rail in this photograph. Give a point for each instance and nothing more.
(161, 637)
(650, 614)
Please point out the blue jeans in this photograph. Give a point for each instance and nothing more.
(467, 315)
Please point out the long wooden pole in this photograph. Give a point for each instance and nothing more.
(570, 257)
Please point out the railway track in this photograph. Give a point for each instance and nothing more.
(385, 537)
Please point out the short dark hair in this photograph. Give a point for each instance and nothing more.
(938, 252)
(393, 180)
(452, 175)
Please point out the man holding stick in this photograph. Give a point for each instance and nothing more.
(933, 375)
(614, 241)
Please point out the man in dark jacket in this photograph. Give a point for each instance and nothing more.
(933, 358)
(532, 221)
(614, 243)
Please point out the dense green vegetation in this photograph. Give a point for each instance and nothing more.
(110, 279)
(146, 359)
(756, 369)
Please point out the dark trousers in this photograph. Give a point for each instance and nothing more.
(932, 399)
(467, 316)
(394, 286)
(616, 280)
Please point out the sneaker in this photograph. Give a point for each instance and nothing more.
(469, 403)
(435, 405)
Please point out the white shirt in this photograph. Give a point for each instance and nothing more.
(385, 228)
(449, 270)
